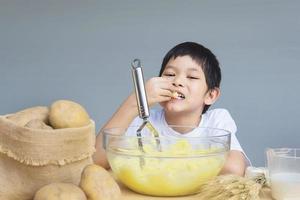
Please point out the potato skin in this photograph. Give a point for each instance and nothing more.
(60, 191)
(98, 184)
(67, 114)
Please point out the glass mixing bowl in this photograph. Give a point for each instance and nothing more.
(178, 165)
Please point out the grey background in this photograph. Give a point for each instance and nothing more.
(81, 50)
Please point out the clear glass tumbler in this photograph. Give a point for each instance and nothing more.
(284, 172)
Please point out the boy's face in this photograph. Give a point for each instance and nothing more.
(189, 80)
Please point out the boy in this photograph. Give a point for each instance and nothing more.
(188, 83)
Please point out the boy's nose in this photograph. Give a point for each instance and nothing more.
(177, 83)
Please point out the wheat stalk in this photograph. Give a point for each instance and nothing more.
(231, 187)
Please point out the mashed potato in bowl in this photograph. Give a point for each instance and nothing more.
(179, 169)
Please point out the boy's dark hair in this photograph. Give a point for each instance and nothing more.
(203, 56)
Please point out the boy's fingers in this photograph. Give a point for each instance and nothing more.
(164, 98)
(167, 93)
(168, 86)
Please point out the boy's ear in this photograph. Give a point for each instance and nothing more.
(211, 96)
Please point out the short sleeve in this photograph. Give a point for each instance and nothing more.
(221, 118)
(235, 145)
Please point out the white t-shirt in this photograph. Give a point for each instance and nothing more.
(215, 118)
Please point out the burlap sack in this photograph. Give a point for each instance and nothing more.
(32, 158)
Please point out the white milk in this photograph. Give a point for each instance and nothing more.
(285, 186)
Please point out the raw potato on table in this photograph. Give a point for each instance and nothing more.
(98, 184)
(60, 191)
(68, 114)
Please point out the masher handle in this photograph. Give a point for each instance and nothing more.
(141, 97)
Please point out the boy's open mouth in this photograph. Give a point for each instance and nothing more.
(177, 95)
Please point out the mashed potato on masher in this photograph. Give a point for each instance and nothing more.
(175, 171)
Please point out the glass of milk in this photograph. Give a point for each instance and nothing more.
(284, 172)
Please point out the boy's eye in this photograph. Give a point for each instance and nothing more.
(193, 77)
(169, 74)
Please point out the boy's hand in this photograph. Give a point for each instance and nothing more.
(159, 89)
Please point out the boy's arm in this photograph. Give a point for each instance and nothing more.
(235, 163)
(122, 118)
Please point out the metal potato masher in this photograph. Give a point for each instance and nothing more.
(142, 103)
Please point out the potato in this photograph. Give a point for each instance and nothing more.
(23, 117)
(67, 114)
(98, 184)
(60, 191)
(38, 124)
